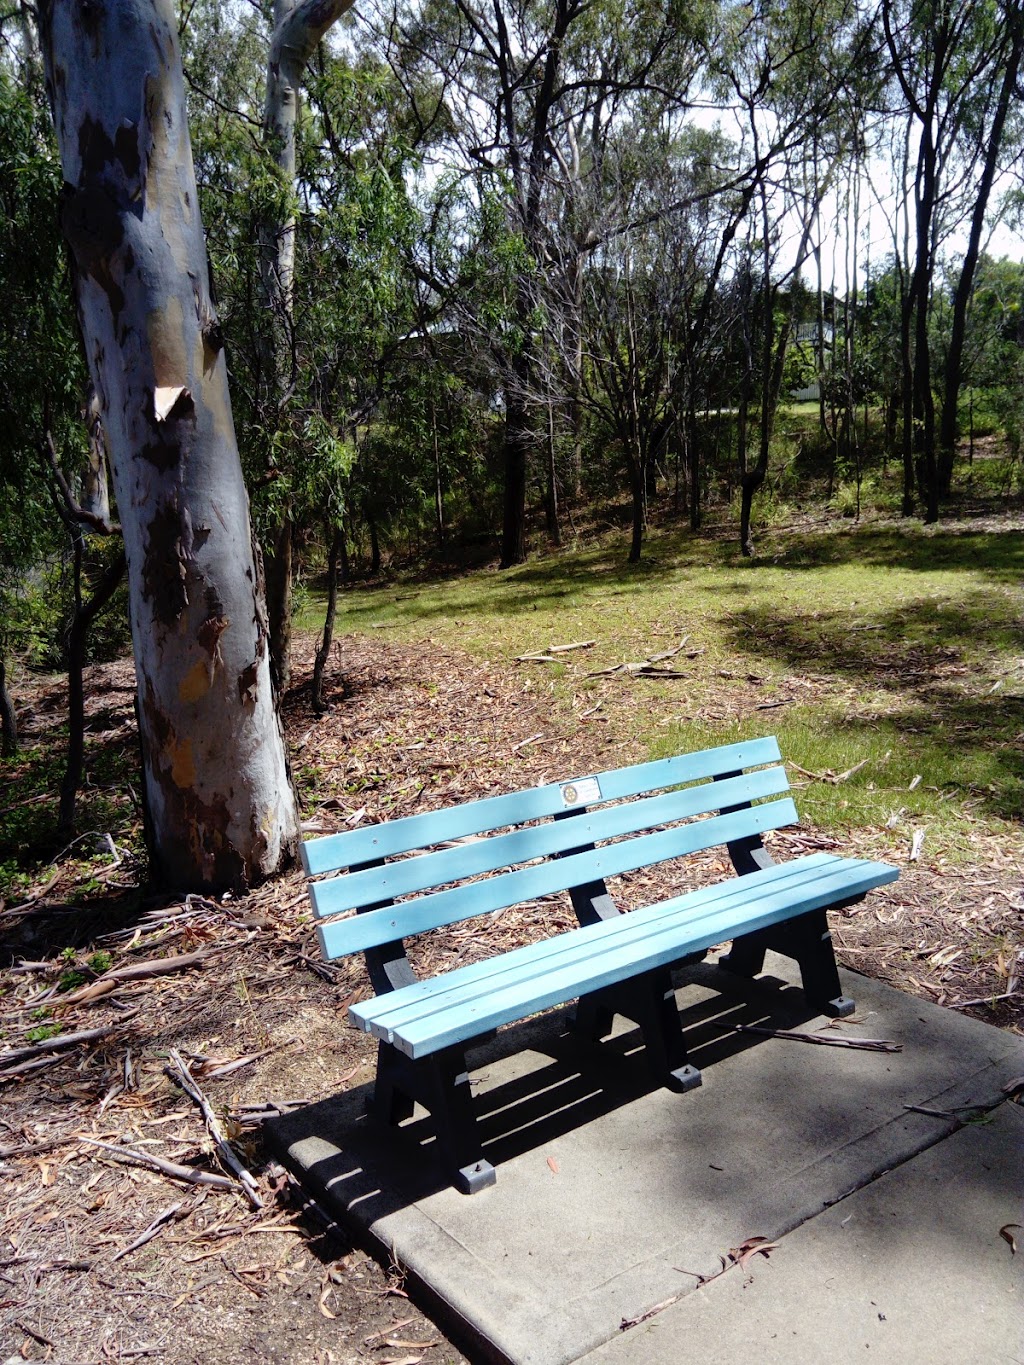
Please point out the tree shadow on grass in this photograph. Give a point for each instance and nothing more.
(921, 654)
(912, 647)
(603, 572)
(999, 554)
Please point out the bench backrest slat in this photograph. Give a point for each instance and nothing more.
(353, 847)
(410, 875)
(438, 908)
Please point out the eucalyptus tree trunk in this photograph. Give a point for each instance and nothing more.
(8, 719)
(298, 27)
(95, 484)
(221, 807)
(953, 376)
(323, 653)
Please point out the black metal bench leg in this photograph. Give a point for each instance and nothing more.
(808, 942)
(745, 958)
(451, 1108)
(663, 1036)
(815, 956)
(590, 1018)
(650, 1002)
(391, 1101)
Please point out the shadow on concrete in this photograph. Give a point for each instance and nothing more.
(613, 1197)
(559, 1082)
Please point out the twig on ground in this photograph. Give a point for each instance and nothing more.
(984, 1000)
(169, 1168)
(825, 1040)
(36, 1336)
(213, 1068)
(627, 1323)
(540, 656)
(524, 742)
(828, 775)
(157, 966)
(60, 1042)
(179, 1071)
(160, 1221)
(648, 668)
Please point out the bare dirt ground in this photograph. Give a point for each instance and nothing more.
(105, 1257)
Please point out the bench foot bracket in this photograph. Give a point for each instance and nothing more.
(684, 1078)
(472, 1179)
(840, 1007)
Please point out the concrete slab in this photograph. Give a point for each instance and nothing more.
(910, 1268)
(609, 1192)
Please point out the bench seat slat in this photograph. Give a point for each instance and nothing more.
(397, 1007)
(438, 908)
(605, 953)
(539, 841)
(351, 847)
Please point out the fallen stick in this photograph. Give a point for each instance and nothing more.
(828, 775)
(576, 644)
(829, 1040)
(189, 1174)
(540, 656)
(212, 1068)
(151, 1231)
(985, 1000)
(60, 1041)
(34, 1148)
(179, 1071)
(524, 742)
(156, 966)
(646, 667)
(26, 1068)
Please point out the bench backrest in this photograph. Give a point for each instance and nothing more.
(541, 852)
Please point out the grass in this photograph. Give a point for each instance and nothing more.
(894, 647)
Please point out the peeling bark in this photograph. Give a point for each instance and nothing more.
(218, 792)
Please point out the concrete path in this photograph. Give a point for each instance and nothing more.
(615, 1202)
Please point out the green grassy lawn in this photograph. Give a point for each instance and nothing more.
(887, 645)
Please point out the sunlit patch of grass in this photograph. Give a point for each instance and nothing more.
(908, 639)
(855, 772)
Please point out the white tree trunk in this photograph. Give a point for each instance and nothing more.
(298, 27)
(220, 803)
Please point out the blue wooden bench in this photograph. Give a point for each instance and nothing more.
(570, 837)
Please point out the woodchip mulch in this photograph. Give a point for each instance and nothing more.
(106, 1253)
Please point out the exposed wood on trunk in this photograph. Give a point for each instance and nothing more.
(95, 484)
